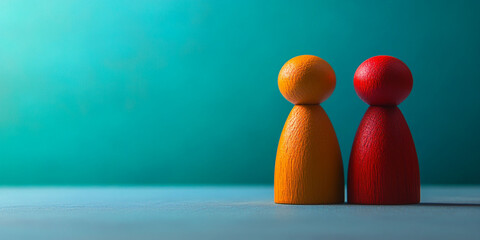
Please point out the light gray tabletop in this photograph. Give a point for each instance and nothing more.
(239, 212)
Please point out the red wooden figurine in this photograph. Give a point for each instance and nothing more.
(383, 167)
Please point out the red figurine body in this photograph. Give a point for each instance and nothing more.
(383, 167)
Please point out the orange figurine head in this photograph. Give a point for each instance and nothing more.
(306, 79)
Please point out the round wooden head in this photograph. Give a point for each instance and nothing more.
(306, 79)
(383, 80)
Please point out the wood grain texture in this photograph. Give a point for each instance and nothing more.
(383, 167)
(308, 168)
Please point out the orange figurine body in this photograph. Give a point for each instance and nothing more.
(308, 167)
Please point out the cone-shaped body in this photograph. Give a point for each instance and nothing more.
(383, 167)
(308, 168)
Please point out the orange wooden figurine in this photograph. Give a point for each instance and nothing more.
(308, 168)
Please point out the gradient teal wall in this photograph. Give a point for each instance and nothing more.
(185, 92)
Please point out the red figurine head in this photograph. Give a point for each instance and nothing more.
(383, 80)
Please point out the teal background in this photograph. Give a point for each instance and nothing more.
(185, 92)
